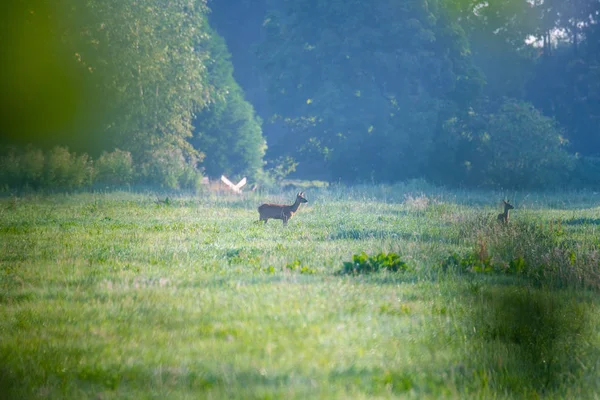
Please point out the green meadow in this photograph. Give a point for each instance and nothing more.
(143, 295)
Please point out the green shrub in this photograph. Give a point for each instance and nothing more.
(470, 262)
(115, 168)
(32, 167)
(10, 170)
(364, 264)
(169, 168)
(276, 171)
(59, 168)
(532, 250)
(67, 170)
(511, 145)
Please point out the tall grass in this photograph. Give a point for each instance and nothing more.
(118, 295)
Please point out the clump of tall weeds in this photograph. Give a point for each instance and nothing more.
(538, 251)
(532, 337)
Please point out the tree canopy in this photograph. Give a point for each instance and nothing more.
(461, 92)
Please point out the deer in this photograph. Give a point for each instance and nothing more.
(503, 217)
(279, 211)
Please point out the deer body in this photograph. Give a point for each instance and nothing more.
(503, 217)
(279, 211)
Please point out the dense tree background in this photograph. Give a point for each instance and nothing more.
(227, 130)
(460, 92)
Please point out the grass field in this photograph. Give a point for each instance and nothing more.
(115, 295)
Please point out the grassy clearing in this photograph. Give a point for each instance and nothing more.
(117, 296)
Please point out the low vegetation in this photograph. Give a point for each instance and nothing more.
(370, 291)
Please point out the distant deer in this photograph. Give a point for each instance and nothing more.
(282, 212)
(503, 217)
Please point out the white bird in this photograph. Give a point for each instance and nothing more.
(236, 188)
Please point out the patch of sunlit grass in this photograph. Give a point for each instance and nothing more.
(117, 296)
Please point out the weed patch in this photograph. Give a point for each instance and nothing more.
(536, 251)
(364, 264)
(297, 266)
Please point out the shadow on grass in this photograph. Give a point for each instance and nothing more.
(365, 234)
(529, 341)
(582, 221)
(382, 278)
(27, 380)
(380, 382)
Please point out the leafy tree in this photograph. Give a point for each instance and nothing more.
(565, 82)
(138, 72)
(498, 32)
(227, 130)
(361, 88)
(146, 61)
(515, 146)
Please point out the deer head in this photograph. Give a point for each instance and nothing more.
(300, 198)
(507, 205)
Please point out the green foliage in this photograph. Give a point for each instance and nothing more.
(586, 172)
(279, 169)
(512, 147)
(471, 262)
(32, 164)
(564, 83)
(115, 168)
(227, 131)
(148, 60)
(297, 266)
(137, 73)
(22, 169)
(66, 170)
(170, 168)
(534, 251)
(199, 297)
(364, 264)
(497, 32)
(332, 69)
(57, 168)
(517, 266)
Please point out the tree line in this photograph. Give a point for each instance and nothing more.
(140, 88)
(460, 92)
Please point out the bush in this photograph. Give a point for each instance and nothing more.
(513, 146)
(32, 167)
(114, 168)
(365, 264)
(170, 168)
(57, 169)
(10, 170)
(66, 170)
(471, 262)
(534, 251)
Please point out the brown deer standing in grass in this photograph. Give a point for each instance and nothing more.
(282, 212)
(503, 217)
